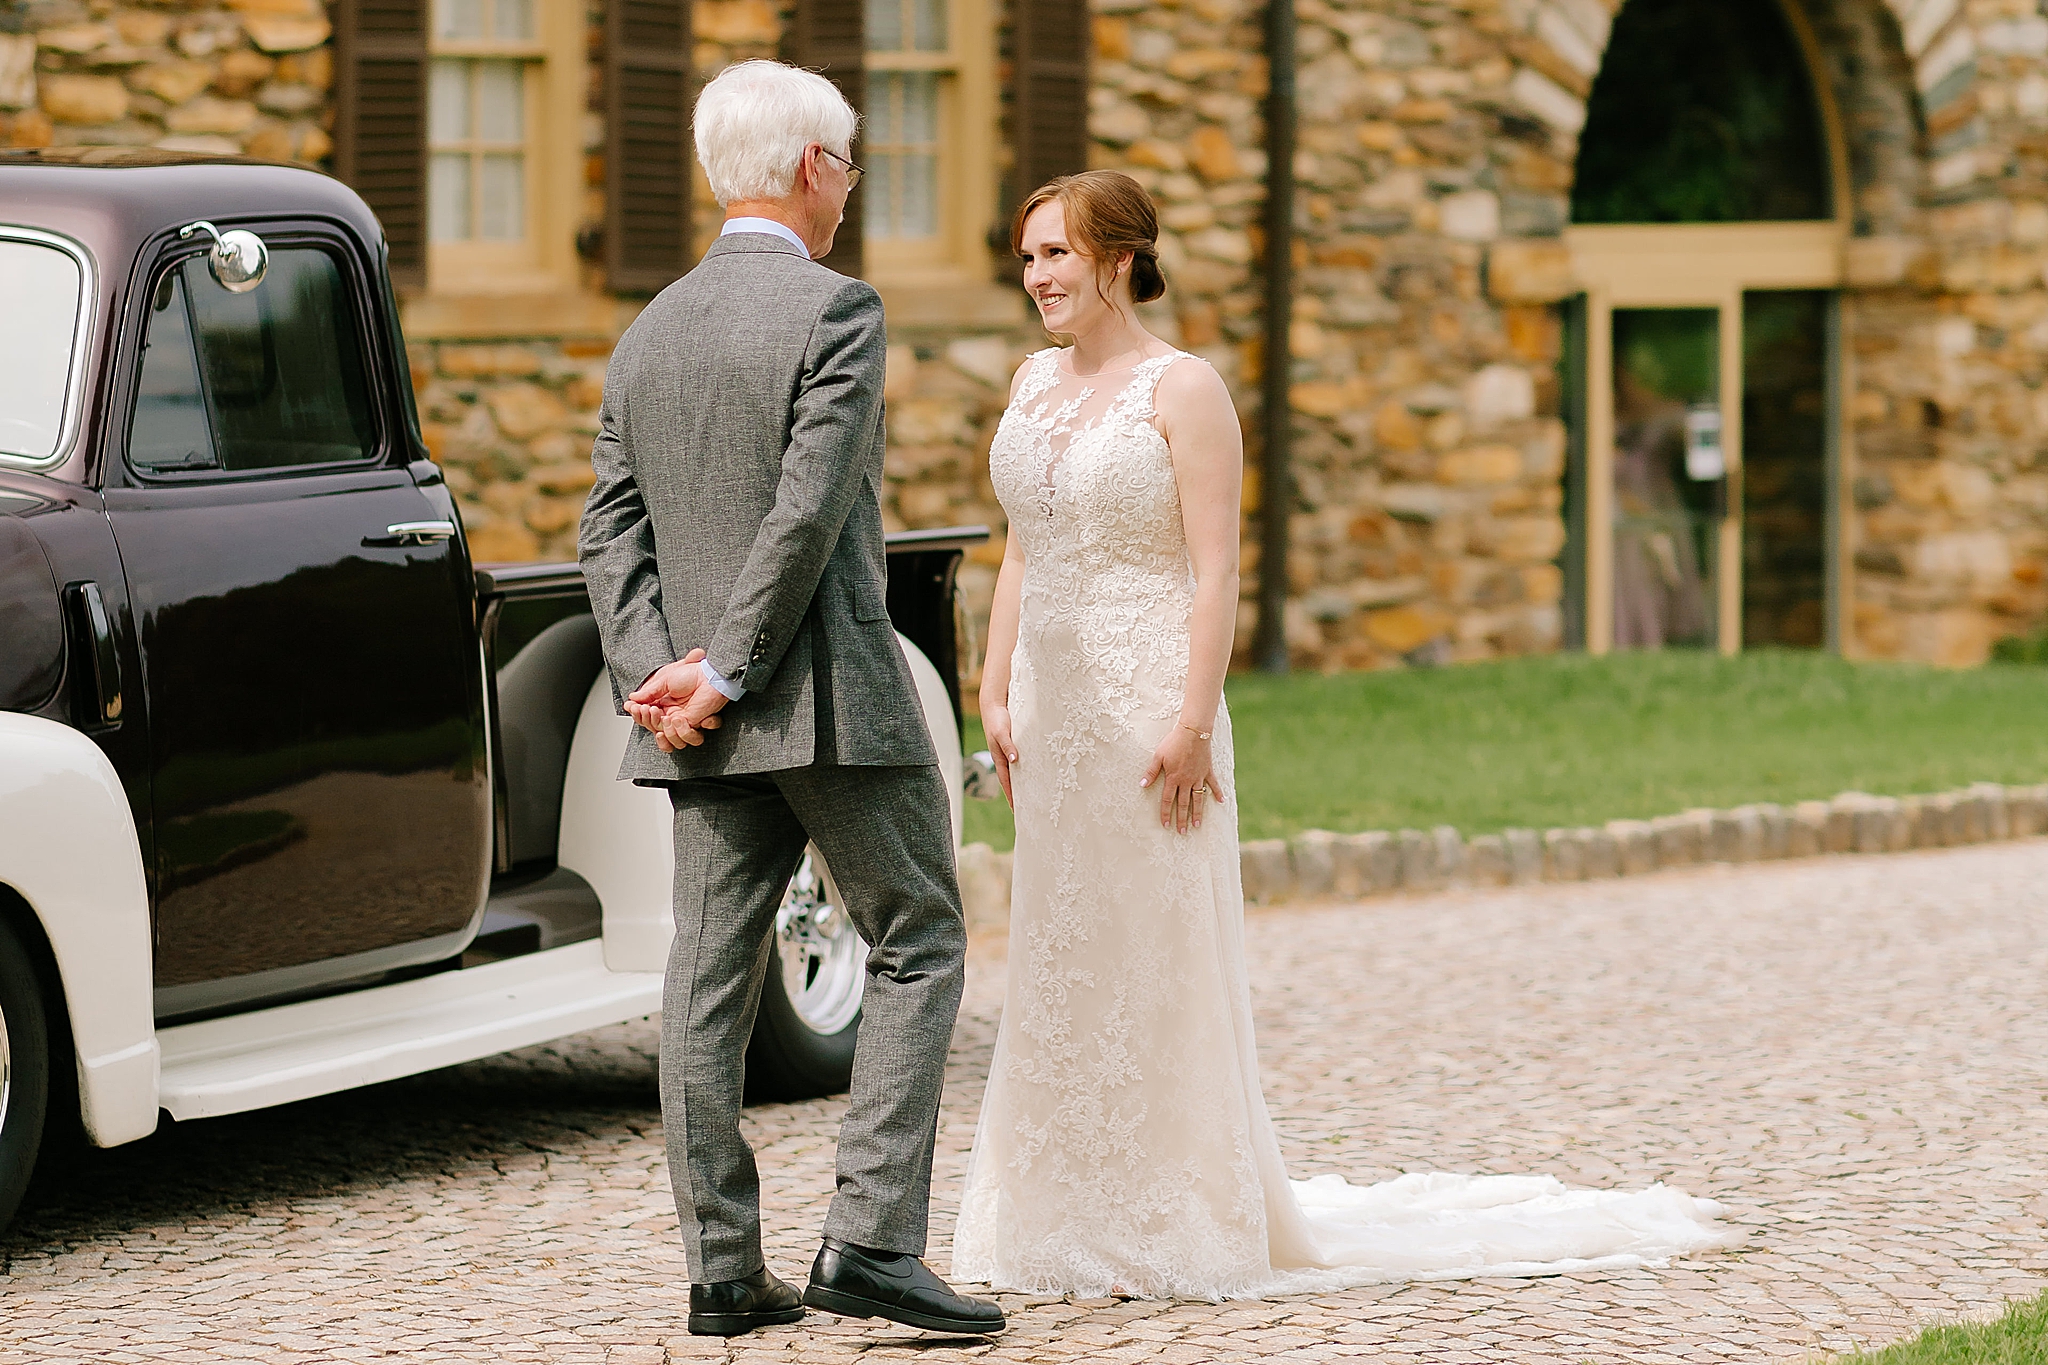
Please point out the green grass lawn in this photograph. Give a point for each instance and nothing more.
(2018, 1338)
(1573, 740)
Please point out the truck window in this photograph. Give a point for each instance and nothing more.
(41, 285)
(169, 430)
(270, 379)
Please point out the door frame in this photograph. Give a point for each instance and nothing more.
(1698, 265)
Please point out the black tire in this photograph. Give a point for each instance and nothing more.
(789, 1058)
(24, 1071)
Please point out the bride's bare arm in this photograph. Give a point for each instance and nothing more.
(1200, 426)
(1002, 643)
(995, 665)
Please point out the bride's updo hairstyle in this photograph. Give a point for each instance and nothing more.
(1107, 213)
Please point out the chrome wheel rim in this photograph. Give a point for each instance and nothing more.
(822, 957)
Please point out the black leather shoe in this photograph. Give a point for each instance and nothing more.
(730, 1307)
(862, 1283)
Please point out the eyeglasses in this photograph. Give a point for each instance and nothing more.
(853, 172)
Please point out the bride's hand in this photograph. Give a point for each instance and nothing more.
(1186, 773)
(995, 724)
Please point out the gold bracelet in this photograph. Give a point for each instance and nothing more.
(1198, 734)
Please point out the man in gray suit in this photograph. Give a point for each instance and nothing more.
(733, 545)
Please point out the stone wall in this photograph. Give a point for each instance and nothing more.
(1436, 154)
(1437, 142)
(246, 76)
(1176, 104)
(1427, 452)
(512, 423)
(946, 390)
(1949, 327)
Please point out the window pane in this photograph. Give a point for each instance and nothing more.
(919, 212)
(168, 430)
(920, 95)
(929, 19)
(283, 365)
(878, 192)
(1666, 370)
(902, 155)
(1785, 469)
(500, 101)
(513, 18)
(881, 131)
(448, 198)
(885, 25)
(501, 208)
(458, 18)
(40, 285)
(448, 101)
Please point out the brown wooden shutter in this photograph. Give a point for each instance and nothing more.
(830, 37)
(380, 121)
(1050, 115)
(647, 88)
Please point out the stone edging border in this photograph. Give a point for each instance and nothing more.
(1381, 862)
(1318, 863)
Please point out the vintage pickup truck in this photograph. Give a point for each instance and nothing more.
(293, 796)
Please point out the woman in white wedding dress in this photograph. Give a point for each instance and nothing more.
(1124, 1145)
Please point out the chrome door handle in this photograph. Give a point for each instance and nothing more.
(103, 662)
(400, 533)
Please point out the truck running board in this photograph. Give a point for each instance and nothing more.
(316, 1047)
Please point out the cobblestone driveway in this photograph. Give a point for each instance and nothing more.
(1851, 1053)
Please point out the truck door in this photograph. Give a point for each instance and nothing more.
(312, 685)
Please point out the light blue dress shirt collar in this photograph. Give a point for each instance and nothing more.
(769, 226)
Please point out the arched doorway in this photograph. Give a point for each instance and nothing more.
(1707, 234)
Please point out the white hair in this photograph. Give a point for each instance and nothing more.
(754, 120)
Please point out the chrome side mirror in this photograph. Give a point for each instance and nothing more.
(238, 258)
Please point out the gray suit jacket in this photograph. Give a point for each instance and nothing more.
(738, 508)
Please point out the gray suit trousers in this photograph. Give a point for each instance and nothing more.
(887, 837)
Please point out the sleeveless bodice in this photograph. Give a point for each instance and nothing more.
(1087, 481)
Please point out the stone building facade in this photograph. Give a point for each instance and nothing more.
(1461, 440)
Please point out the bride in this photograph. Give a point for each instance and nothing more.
(1123, 1144)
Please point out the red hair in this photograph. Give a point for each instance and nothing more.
(1108, 213)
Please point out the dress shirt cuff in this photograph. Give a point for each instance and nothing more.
(731, 691)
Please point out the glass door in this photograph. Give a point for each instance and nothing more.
(1670, 477)
(1788, 531)
(1704, 487)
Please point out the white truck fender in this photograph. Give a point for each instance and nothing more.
(70, 850)
(619, 837)
(945, 730)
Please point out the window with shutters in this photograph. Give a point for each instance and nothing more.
(504, 108)
(928, 141)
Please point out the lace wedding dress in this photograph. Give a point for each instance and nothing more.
(1123, 1141)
